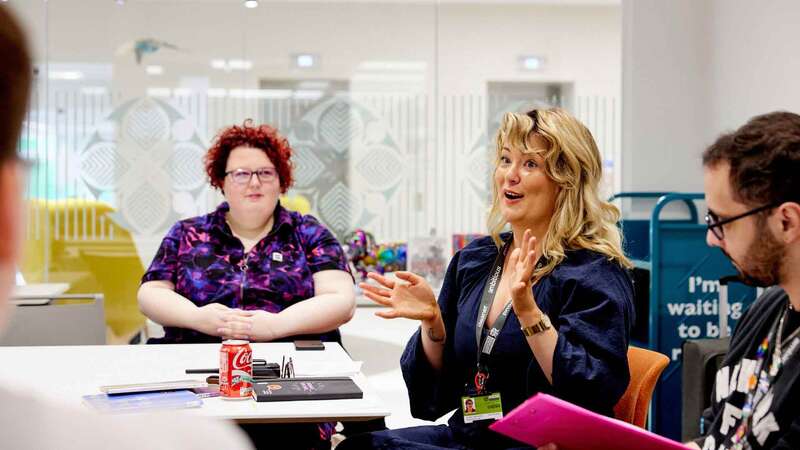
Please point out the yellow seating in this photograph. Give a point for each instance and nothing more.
(297, 203)
(76, 242)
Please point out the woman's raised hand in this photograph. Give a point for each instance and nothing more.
(411, 297)
(521, 265)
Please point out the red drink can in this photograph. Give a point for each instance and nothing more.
(236, 370)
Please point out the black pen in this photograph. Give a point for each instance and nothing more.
(202, 371)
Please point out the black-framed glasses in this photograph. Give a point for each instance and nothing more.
(243, 176)
(715, 224)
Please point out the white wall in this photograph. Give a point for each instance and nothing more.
(694, 69)
(581, 44)
(756, 60)
(477, 42)
(664, 94)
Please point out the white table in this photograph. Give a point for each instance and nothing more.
(37, 293)
(66, 373)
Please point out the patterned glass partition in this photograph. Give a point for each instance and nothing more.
(398, 141)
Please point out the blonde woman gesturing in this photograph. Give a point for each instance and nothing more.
(546, 307)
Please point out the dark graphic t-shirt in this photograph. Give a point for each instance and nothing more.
(775, 421)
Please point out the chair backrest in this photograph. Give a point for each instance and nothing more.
(75, 319)
(645, 367)
(701, 360)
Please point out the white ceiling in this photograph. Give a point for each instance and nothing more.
(487, 2)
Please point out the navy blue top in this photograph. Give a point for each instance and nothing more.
(589, 300)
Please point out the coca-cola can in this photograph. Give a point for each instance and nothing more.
(236, 370)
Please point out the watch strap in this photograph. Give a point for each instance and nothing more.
(542, 325)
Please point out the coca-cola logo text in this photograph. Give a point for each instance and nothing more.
(243, 359)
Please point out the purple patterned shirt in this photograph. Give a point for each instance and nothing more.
(207, 264)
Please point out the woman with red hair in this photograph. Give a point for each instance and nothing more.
(250, 269)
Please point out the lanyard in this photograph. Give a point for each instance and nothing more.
(762, 378)
(485, 346)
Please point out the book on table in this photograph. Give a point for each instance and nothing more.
(544, 419)
(293, 389)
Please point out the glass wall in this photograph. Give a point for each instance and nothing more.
(390, 107)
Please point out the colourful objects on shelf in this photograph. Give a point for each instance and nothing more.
(367, 256)
(461, 240)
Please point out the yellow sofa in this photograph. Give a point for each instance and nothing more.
(74, 241)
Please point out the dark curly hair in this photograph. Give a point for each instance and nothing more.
(263, 137)
(764, 156)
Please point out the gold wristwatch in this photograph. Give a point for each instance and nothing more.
(542, 325)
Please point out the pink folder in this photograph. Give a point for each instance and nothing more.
(543, 419)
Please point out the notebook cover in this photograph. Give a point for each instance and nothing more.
(293, 389)
(143, 401)
(543, 419)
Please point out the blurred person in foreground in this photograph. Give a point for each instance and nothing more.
(29, 422)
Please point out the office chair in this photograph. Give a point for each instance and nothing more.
(645, 367)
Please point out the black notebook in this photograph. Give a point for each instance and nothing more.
(292, 389)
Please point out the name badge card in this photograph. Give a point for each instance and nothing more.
(481, 407)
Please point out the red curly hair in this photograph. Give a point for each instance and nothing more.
(263, 137)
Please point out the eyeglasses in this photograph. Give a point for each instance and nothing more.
(243, 176)
(715, 224)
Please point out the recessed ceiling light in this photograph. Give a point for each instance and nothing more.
(154, 70)
(231, 64)
(531, 62)
(240, 64)
(69, 75)
(305, 60)
(251, 3)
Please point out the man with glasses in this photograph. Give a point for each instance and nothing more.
(28, 422)
(752, 185)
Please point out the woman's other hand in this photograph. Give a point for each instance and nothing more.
(411, 298)
(521, 264)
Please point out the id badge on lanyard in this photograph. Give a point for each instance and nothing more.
(485, 404)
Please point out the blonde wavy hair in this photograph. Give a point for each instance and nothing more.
(581, 219)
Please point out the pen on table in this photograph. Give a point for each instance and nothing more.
(202, 371)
